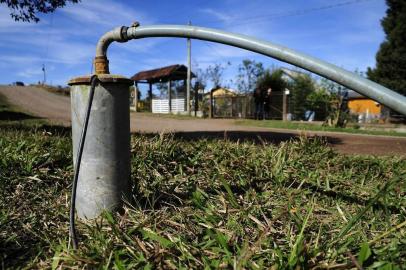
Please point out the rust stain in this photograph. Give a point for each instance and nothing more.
(101, 65)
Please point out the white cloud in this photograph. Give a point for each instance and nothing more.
(217, 15)
(105, 12)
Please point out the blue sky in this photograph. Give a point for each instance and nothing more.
(347, 35)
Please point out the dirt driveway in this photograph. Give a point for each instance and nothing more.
(57, 109)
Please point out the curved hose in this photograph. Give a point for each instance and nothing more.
(72, 231)
(350, 80)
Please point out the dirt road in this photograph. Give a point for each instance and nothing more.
(39, 102)
(56, 108)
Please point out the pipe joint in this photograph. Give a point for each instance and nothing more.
(101, 65)
(123, 34)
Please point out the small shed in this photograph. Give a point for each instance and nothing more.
(166, 74)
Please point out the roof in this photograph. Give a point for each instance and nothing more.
(164, 74)
(222, 92)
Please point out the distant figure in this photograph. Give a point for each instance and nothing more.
(259, 104)
(267, 104)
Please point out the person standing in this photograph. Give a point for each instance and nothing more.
(267, 103)
(259, 104)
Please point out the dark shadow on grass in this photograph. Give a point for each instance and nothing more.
(257, 137)
(15, 116)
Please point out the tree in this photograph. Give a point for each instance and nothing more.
(201, 76)
(215, 74)
(271, 79)
(26, 10)
(336, 103)
(390, 69)
(248, 73)
(301, 87)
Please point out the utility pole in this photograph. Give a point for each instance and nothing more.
(43, 69)
(189, 67)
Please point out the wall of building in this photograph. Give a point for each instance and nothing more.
(364, 105)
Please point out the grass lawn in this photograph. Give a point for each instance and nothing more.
(314, 127)
(172, 116)
(205, 204)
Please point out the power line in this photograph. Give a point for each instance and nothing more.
(299, 12)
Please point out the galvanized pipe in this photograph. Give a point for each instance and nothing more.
(348, 79)
(104, 179)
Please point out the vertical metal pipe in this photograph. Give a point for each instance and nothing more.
(104, 179)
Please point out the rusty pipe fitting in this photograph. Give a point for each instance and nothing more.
(101, 65)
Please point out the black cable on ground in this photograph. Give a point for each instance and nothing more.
(72, 231)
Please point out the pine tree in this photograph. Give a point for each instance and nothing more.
(390, 69)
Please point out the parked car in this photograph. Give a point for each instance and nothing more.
(18, 83)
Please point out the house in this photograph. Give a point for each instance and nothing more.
(364, 107)
(221, 92)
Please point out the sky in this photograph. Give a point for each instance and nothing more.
(343, 32)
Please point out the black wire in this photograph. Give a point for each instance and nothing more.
(72, 231)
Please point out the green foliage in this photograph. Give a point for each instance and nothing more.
(248, 73)
(301, 87)
(205, 204)
(271, 79)
(321, 101)
(214, 73)
(390, 67)
(26, 10)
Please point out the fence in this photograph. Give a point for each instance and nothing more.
(162, 105)
(243, 106)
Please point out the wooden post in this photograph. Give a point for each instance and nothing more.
(150, 96)
(135, 97)
(184, 96)
(231, 109)
(211, 104)
(169, 96)
(284, 105)
(196, 98)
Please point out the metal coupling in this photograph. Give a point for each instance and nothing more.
(123, 34)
